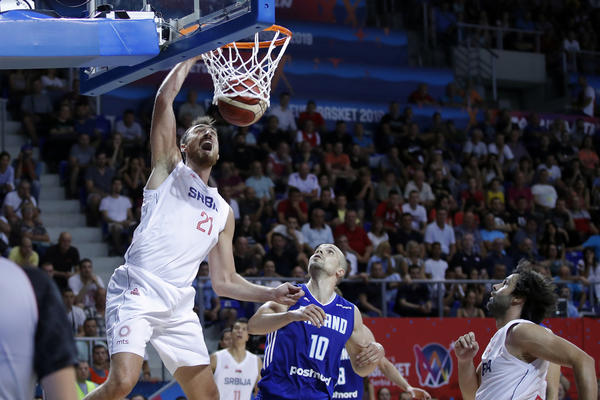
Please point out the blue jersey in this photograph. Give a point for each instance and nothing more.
(349, 385)
(301, 360)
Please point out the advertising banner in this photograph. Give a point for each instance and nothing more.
(422, 349)
(591, 125)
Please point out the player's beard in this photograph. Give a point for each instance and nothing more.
(498, 305)
(203, 159)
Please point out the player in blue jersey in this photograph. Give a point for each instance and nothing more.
(305, 341)
(351, 386)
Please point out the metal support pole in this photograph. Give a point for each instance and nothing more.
(383, 299)
(440, 300)
(425, 25)
(3, 120)
(499, 39)
(494, 83)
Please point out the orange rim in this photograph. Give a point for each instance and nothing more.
(265, 44)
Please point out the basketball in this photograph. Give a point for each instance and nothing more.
(241, 110)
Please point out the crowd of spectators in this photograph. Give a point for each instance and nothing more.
(403, 200)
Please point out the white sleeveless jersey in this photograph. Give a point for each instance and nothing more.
(505, 377)
(180, 224)
(235, 381)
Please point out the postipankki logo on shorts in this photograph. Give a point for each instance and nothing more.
(433, 363)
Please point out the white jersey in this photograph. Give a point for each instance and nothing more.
(235, 381)
(505, 377)
(180, 224)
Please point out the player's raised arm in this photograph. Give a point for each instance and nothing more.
(365, 353)
(272, 316)
(466, 347)
(534, 341)
(391, 372)
(228, 283)
(163, 142)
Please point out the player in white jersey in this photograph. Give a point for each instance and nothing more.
(236, 370)
(151, 298)
(515, 362)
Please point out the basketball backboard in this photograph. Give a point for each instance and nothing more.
(187, 28)
(121, 41)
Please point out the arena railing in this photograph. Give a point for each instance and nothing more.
(499, 32)
(434, 285)
(580, 62)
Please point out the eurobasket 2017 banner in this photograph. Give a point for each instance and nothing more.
(421, 348)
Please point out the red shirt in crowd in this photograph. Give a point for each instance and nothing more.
(390, 216)
(357, 238)
(285, 207)
(315, 117)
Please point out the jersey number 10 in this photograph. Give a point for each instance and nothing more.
(318, 347)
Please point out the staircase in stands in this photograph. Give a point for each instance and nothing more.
(59, 214)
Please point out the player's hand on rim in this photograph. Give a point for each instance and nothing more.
(287, 294)
(370, 354)
(466, 347)
(312, 313)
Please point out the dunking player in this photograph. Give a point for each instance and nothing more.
(351, 386)
(515, 362)
(151, 297)
(305, 341)
(236, 370)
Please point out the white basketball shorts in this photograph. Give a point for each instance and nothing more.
(142, 308)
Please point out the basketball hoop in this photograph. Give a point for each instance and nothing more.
(245, 68)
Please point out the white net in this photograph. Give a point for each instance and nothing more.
(247, 72)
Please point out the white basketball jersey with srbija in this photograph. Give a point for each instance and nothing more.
(505, 377)
(235, 381)
(180, 224)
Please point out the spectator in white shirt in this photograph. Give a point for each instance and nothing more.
(439, 231)
(544, 194)
(554, 173)
(284, 114)
(475, 146)
(418, 212)
(116, 213)
(316, 231)
(588, 97)
(501, 149)
(15, 200)
(75, 315)
(307, 183)
(418, 183)
(435, 268)
(85, 284)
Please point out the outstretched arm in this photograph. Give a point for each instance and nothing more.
(389, 370)
(466, 347)
(365, 353)
(552, 381)
(163, 142)
(228, 283)
(272, 316)
(533, 341)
